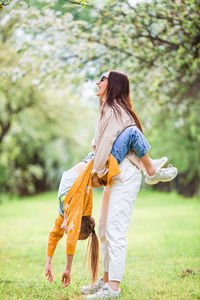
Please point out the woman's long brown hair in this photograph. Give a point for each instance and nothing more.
(92, 253)
(118, 89)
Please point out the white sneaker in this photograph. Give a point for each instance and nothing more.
(157, 163)
(164, 175)
(105, 293)
(95, 287)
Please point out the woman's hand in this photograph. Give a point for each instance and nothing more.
(66, 278)
(95, 181)
(49, 273)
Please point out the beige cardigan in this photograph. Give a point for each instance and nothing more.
(108, 128)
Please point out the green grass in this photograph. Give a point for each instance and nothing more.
(163, 242)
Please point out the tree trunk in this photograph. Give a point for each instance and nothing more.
(187, 187)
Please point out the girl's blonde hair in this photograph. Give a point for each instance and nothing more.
(87, 230)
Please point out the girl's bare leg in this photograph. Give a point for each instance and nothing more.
(151, 170)
(79, 167)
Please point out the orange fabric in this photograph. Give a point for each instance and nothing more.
(55, 235)
(79, 202)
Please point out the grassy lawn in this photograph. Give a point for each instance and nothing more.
(163, 253)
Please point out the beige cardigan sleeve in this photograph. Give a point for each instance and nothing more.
(110, 128)
(93, 142)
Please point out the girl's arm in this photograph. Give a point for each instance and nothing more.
(66, 276)
(55, 235)
(96, 181)
(49, 273)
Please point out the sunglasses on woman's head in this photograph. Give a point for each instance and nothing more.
(102, 78)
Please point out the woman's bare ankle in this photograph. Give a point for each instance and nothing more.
(105, 277)
(114, 285)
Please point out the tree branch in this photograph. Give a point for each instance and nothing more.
(4, 129)
(77, 2)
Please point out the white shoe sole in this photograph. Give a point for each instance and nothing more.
(89, 292)
(164, 180)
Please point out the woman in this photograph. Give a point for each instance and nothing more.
(116, 114)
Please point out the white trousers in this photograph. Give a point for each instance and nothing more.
(116, 212)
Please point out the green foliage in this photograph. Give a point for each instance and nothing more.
(40, 130)
(156, 43)
(4, 3)
(28, 2)
(43, 141)
(162, 244)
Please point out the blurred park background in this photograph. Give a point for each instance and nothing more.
(52, 53)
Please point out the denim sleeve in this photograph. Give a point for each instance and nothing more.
(88, 157)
